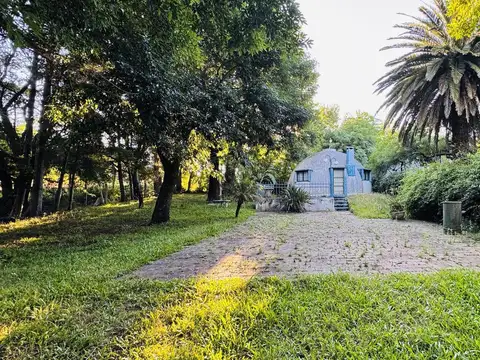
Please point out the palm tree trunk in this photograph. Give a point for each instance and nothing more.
(461, 139)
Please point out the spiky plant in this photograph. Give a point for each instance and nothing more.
(294, 199)
(435, 85)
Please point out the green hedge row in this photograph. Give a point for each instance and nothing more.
(424, 190)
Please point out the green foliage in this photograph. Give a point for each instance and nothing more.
(435, 84)
(358, 131)
(390, 159)
(294, 199)
(424, 190)
(465, 15)
(388, 183)
(370, 206)
(63, 289)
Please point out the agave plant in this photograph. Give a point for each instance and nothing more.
(294, 199)
(435, 85)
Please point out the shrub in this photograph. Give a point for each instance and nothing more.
(294, 199)
(423, 191)
(388, 183)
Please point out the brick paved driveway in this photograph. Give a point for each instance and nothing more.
(312, 243)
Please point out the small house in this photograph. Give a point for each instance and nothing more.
(329, 177)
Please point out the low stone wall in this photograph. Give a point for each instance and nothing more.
(317, 204)
(268, 206)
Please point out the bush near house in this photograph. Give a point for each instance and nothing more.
(370, 206)
(294, 199)
(423, 191)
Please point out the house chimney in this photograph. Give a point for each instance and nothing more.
(350, 155)
(351, 161)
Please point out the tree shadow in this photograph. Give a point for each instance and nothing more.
(79, 227)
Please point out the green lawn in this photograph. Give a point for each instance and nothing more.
(370, 206)
(64, 294)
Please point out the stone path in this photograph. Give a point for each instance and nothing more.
(312, 243)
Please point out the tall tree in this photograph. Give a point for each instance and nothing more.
(436, 84)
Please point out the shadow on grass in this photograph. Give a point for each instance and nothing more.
(87, 226)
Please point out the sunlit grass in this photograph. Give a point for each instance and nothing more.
(62, 290)
(370, 206)
(316, 317)
(65, 293)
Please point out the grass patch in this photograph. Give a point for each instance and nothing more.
(61, 295)
(370, 206)
(319, 317)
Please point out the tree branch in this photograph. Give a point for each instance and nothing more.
(16, 96)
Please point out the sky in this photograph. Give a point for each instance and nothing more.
(347, 36)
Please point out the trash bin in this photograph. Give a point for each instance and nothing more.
(452, 217)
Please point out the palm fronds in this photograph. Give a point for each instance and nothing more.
(435, 85)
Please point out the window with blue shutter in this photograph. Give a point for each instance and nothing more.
(304, 176)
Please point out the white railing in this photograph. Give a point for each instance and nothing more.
(314, 189)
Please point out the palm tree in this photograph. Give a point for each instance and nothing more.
(435, 85)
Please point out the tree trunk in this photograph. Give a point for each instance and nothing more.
(24, 176)
(59, 192)
(157, 178)
(26, 202)
(105, 190)
(239, 206)
(102, 199)
(36, 202)
(138, 189)
(123, 196)
(461, 140)
(178, 182)
(71, 189)
(86, 193)
(130, 184)
(229, 174)
(161, 213)
(213, 182)
(189, 187)
(114, 178)
(6, 182)
(20, 192)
